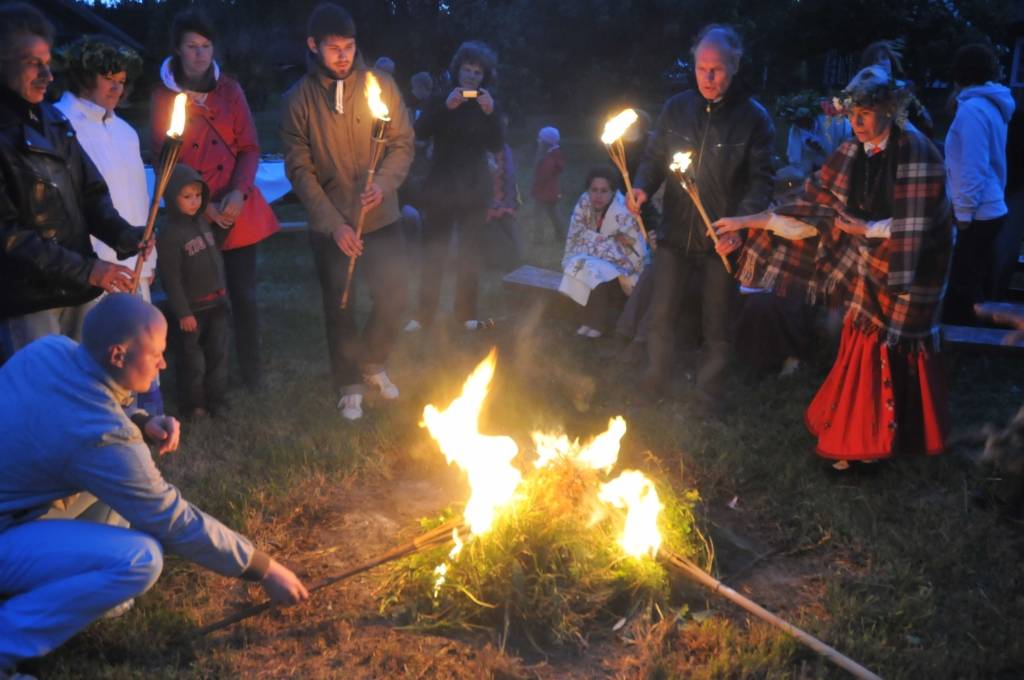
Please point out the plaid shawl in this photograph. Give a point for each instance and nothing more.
(893, 285)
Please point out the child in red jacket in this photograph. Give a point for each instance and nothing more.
(546, 189)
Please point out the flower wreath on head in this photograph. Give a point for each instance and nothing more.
(874, 88)
(97, 54)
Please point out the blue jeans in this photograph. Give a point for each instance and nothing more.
(59, 575)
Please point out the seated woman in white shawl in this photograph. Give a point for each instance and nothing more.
(604, 251)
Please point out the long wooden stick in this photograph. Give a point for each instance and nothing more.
(432, 539)
(168, 159)
(691, 190)
(829, 653)
(376, 146)
(618, 155)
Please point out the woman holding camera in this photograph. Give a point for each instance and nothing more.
(463, 127)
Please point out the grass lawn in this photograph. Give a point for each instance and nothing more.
(897, 570)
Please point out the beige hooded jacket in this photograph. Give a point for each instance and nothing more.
(327, 151)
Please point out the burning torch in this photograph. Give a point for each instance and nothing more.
(614, 129)
(381, 118)
(680, 167)
(169, 155)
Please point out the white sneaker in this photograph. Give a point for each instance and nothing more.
(413, 326)
(351, 406)
(119, 610)
(380, 380)
(593, 333)
(582, 330)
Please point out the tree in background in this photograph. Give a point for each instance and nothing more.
(570, 56)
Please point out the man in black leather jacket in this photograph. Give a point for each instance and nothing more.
(730, 136)
(51, 199)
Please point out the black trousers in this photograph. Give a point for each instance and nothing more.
(437, 236)
(383, 267)
(971, 274)
(203, 364)
(602, 300)
(694, 281)
(240, 271)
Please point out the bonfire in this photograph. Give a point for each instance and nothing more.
(550, 546)
(559, 542)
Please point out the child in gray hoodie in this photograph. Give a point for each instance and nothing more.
(192, 273)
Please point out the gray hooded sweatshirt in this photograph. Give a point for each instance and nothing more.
(191, 267)
(976, 152)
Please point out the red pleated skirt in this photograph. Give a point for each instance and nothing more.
(878, 400)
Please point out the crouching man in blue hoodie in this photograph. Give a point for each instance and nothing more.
(976, 178)
(64, 431)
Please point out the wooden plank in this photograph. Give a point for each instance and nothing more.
(529, 276)
(1000, 310)
(983, 338)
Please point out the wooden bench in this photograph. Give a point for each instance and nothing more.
(537, 286)
(1007, 313)
(533, 278)
(982, 338)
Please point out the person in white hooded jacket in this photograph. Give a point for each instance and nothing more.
(976, 177)
(98, 72)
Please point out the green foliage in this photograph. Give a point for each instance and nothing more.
(799, 107)
(615, 52)
(549, 573)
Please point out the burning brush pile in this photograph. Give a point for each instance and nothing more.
(550, 544)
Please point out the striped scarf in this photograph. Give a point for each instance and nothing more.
(893, 285)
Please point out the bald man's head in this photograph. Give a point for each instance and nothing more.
(127, 336)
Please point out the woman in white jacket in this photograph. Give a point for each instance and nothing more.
(605, 251)
(97, 72)
(976, 177)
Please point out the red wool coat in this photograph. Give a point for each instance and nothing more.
(220, 142)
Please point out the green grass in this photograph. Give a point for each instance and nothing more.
(898, 571)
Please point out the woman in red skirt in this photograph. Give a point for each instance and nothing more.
(872, 235)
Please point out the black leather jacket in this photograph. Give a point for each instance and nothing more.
(52, 198)
(732, 143)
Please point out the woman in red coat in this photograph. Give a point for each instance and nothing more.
(220, 142)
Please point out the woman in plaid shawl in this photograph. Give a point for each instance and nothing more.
(873, 235)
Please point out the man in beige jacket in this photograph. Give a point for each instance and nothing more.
(326, 128)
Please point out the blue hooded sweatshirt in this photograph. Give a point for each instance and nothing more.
(976, 152)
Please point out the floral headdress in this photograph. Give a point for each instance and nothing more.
(95, 55)
(874, 88)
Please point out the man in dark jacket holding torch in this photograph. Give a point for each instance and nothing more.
(730, 137)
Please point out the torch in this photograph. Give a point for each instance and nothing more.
(680, 167)
(612, 139)
(169, 155)
(381, 118)
(439, 536)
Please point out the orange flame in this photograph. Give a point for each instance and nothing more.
(635, 493)
(600, 453)
(177, 127)
(378, 109)
(486, 460)
(442, 569)
(680, 161)
(617, 126)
